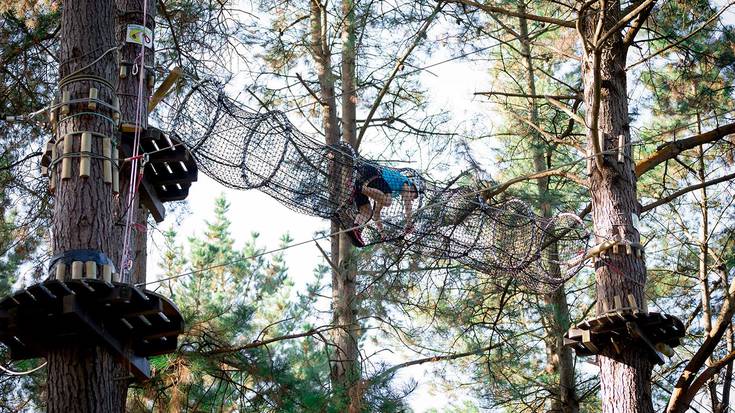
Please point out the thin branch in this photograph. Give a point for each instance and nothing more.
(308, 89)
(572, 114)
(685, 38)
(420, 35)
(432, 359)
(259, 343)
(543, 174)
(625, 20)
(525, 95)
(707, 374)
(686, 190)
(20, 161)
(511, 13)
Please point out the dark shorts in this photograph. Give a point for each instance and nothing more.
(374, 179)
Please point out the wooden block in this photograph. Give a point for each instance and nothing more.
(66, 161)
(621, 149)
(615, 249)
(93, 93)
(116, 171)
(76, 270)
(587, 341)
(90, 269)
(85, 160)
(52, 112)
(151, 79)
(107, 273)
(129, 127)
(604, 307)
(107, 163)
(618, 302)
(65, 97)
(628, 249)
(638, 252)
(116, 110)
(60, 271)
(123, 72)
(631, 301)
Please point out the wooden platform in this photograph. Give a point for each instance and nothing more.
(624, 327)
(169, 172)
(120, 316)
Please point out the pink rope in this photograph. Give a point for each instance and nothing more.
(135, 175)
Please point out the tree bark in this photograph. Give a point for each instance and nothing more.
(559, 357)
(625, 378)
(84, 377)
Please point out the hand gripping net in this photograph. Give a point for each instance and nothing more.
(246, 150)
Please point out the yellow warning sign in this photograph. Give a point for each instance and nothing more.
(139, 34)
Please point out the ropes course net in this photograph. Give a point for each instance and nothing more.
(242, 149)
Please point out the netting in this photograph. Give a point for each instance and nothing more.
(243, 149)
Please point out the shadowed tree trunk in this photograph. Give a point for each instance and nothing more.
(344, 363)
(84, 377)
(351, 372)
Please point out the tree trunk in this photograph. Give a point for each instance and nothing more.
(351, 371)
(625, 378)
(84, 377)
(559, 357)
(344, 363)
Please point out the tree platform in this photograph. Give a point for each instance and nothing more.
(622, 327)
(133, 323)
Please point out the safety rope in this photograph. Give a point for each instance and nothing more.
(135, 175)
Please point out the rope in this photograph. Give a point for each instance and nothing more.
(22, 373)
(136, 175)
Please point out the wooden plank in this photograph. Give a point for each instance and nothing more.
(138, 365)
(149, 198)
(165, 87)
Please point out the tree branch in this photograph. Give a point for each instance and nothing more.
(259, 343)
(511, 13)
(525, 95)
(628, 17)
(671, 149)
(636, 25)
(685, 38)
(686, 190)
(707, 374)
(683, 390)
(492, 191)
(432, 359)
(419, 37)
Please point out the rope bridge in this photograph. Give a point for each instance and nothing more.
(242, 149)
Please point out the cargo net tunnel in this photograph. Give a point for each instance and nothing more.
(243, 149)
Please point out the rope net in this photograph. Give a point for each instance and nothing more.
(242, 149)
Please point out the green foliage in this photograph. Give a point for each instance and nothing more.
(228, 309)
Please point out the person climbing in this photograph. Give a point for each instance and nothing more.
(380, 185)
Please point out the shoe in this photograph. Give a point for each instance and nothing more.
(356, 237)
